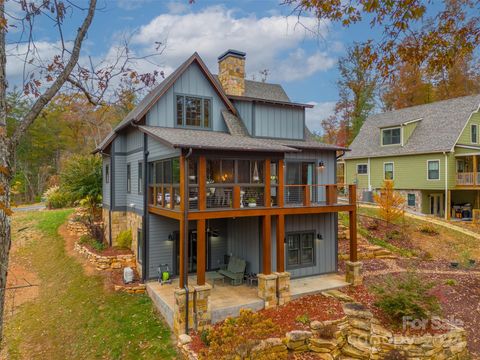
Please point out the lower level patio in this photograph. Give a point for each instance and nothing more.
(226, 300)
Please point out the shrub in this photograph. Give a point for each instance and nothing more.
(238, 334)
(56, 198)
(391, 204)
(451, 282)
(81, 176)
(87, 240)
(373, 225)
(204, 336)
(391, 235)
(124, 239)
(303, 319)
(406, 295)
(428, 229)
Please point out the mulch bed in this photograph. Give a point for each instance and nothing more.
(367, 265)
(109, 251)
(315, 307)
(434, 265)
(312, 307)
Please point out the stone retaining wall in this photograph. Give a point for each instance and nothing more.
(104, 262)
(132, 289)
(356, 336)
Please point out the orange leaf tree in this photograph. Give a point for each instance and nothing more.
(391, 204)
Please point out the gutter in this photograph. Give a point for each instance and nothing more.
(185, 234)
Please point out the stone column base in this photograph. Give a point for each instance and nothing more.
(354, 272)
(267, 289)
(203, 316)
(283, 287)
(180, 310)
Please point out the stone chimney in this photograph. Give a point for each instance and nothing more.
(231, 72)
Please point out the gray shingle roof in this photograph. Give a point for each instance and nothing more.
(234, 124)
(438, 131)
(200, 139)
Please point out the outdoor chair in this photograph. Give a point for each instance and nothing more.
(235, 270)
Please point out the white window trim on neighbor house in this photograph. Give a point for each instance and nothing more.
(393, 170)
(392, 128)
(439, 170)
(476, 133)
(365, 173)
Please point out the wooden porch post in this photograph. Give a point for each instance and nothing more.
(182, 250)
(267, 244)
(281, 183)
(201, 251)
(280, 243)
(353, 223)
(266, 173)
(475, 169)
(202, 183)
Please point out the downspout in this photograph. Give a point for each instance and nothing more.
(185, 234)
(111, 196)
(145, 224)
(447, 205)
(369, 179)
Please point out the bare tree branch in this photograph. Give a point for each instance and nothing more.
(59, 81)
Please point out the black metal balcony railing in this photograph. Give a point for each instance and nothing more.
(234, 196)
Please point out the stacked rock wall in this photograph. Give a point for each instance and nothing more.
(105, 262)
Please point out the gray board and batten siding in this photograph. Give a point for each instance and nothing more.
(192, 82)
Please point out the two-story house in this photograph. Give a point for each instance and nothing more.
(213, 167)
(430, 152)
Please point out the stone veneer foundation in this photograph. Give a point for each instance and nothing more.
(199, 313)
(121, 221)
(358, 335)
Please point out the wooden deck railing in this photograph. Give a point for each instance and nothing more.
(468, 178)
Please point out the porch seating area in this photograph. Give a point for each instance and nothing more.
(226, 300)
(467, 170)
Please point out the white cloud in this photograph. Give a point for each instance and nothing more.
(273, 42)
(320, 111)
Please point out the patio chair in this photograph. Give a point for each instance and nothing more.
(235, 270)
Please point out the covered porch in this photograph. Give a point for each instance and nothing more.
(467, 172)
(226, 300)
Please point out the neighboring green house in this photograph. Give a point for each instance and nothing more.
(430, 151)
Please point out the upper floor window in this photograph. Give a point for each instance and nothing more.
(388, 171)
(129, 178)
(193, 111)
(362, 169)
(474, 133)
(107, 174)
(433, 172)
(391, 136)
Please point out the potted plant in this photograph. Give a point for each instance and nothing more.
(252, 202)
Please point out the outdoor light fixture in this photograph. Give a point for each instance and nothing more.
(319, 237)
(170, 237)
(321, 165)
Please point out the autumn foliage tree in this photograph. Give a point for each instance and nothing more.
(390, 203)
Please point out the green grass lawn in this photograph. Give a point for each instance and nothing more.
(75, 317)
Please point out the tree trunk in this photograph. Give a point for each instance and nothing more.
(5, 175)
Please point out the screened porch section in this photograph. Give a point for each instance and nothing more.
(467, 170)
(236, 183)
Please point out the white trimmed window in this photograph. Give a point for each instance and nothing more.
(391, 136)
(474, 133)
(388, 172)
(433, 169)
(362, 169)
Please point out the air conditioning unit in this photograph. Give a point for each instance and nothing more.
(127, 275)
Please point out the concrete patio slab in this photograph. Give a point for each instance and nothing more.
(226, 300)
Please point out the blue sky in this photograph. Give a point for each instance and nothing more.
(304, 63)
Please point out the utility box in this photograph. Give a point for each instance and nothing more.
(127, 275)
(367, 196)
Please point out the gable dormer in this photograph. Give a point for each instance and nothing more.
(398, 135)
